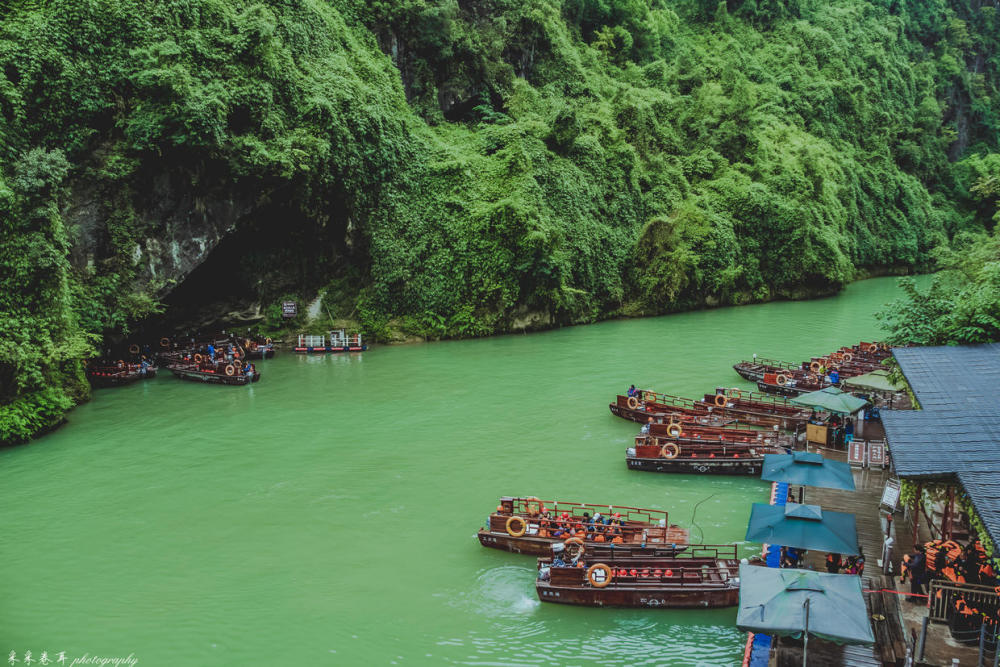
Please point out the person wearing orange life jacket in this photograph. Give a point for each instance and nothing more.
(833, 563)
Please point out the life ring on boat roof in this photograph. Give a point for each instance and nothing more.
(197, 358)
(649, 396)
(633, 402)
(734, 392)
(674, 430)
(520, 531)
(133, 349)
(579, 544)
(848, 356)
(815, 366)
(720, 400)
(268, 340)
(229, 369)
(164, 342)
(599, 575)
(781, 380)
(873, 347)
(670, 451)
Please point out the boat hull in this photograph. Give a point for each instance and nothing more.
(330, 350)
(214, 378)
(686, 597)
(120, 379)
(542, 546)
(641, 416)
(260, 354)
(698, 466)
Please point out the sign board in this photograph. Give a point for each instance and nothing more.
(876, 454)
(289, 309)
(816, 433)
(890, 495)
(856, 453)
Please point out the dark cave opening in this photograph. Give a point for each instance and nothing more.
(271, 254)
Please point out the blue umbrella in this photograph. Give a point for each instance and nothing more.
(807, 469)
(803, 527)
(797, 603)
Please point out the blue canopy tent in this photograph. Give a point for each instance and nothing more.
(803, 527)
(797, 603)
(807, 469)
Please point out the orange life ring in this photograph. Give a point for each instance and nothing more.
(229, 369)
(650, 396)
(197, 358)
(133, 349)
(599, 580)
(633, 402)
(720, 400)
(675, 430)
(670, 451)
(734, 393)
(815, 366)
(873, 347)
(520, 531)
(782, 379)
(848, 356)
(579, 543)
(268, 340)
(164, 342)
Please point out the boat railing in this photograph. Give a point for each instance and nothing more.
(651, 396)
(340, 338)
(669, 572)
(708, 552)
(532, 507)
(772, 363)
(311, 341)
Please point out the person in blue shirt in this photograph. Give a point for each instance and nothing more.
(849, 431)
(632, 391)
(834, 377)
(211, 352)
(144, 366)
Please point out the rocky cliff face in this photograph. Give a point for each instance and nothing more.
(182, 215)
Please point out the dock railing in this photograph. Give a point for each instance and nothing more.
(943, 595)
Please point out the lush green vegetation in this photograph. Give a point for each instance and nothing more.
(461, 168)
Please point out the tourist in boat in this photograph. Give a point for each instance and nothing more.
(144, 366)
(210, 350)
(632, 391)
(558, 552)
(646, 427)
(849, 431)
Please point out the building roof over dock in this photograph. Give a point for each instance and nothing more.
(966, 377)
(956, 436)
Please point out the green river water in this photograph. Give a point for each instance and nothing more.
(327, 515)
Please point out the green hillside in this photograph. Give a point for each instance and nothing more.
(449, 168)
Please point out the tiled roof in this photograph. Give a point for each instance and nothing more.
(956, 434)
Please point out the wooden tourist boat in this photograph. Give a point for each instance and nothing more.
(758, 409)
(702, 576)
(340, 341)
(114, 375)
(258, 348)
(519, 525)
(214, 372)
(754, 370)
(664, 408)
(786, 384)
(714, 458)
(697, 434)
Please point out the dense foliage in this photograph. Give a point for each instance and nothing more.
(462, 168)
